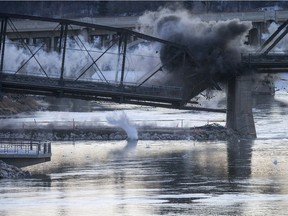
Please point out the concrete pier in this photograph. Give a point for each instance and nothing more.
(239, 115)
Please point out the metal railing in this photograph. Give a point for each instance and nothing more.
(271, 58)
(95, 85)
(25, 147)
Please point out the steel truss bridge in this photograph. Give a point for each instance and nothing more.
(113, 73)
(265, 60)
(117, 72)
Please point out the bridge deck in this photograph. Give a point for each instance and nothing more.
(93, 90)
(274, 62)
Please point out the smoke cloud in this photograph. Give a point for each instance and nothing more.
(120, 119)
(215, 47)
(139, 61)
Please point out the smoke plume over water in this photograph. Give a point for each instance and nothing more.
(215, 47)
(120, 119)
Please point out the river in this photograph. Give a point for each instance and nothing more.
(162, 177)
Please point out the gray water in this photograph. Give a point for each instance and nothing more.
(162, 177)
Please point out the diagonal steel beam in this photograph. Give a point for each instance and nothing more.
(29, 59)
(280, 28)
(96, 60)
(3, 38)
(124, 36)
(61, 37)
(97, 67)
(160, 68)
(33, 54)
(1, 32)
(276, 41)
(13, 27)
(64, 51)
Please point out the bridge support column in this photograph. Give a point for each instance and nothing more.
(2, 41)
(239, 116)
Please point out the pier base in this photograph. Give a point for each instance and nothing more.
(239, 116)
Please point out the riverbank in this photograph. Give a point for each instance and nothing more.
(203, 133)
(12, 104)
(11, 172)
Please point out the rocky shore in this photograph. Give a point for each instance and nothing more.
(12, 104)
(209, 132)
(203, 133)
(9, 171)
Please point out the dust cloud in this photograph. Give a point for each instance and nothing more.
(215, 47)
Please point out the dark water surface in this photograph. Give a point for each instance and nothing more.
(161, 177)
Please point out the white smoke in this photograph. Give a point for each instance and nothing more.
(271, 29)
(140, 60)
(120, 119)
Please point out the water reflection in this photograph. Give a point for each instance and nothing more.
(239, 153)
(268, 102)
(168, 177)
(162, 177)
(128, 149)
(271, 116)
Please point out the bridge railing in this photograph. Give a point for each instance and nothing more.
(275, 58)
(93, 85)
(24, 147)
(153, 90)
